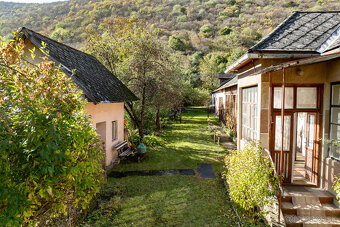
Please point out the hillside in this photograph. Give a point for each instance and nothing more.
(225, 28)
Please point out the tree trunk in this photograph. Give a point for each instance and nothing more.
(158, 124)
(134, 117)
(141, 122)
(180, 114)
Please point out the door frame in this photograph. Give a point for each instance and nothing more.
(318, 123)
(288, 163)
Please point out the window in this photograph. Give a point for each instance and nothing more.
(286, 133)
(306, 97)
(335, 120)
(289, 98)
(249, 113)
(114, 130)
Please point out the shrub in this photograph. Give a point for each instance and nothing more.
(207, 30)
(176, 43)
(250, 178)
(336, 187)
(225, 31)
(152, 140)
(196, 57)
(181, 19)
(50, 161)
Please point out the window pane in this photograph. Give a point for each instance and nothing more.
(114, 130)
(249, 113)
(310, 139)
(335, 115)
(335, 135)
(306, 97)
(336, 94)
(278, 133)
(289, 97)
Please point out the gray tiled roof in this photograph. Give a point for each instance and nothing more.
(305, 32)
(97, 82)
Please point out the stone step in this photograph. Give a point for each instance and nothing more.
(305, 221)
(328, 210)
(323, 199)
(299, 165)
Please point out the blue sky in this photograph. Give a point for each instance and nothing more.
(33, 1)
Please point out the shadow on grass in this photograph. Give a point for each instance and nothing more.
(167, 201)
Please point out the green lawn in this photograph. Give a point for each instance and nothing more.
(187, 145)
(169, 200)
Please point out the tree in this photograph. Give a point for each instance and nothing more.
(176, 43)
(132, 52)
(207, 30)
(50, 162)
(209, 70)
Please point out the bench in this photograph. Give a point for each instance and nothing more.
(120, 145)
(125, 153)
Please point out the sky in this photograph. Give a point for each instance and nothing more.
(32, 1)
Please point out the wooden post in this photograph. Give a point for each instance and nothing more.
(282, 133)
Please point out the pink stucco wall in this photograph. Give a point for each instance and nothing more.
(108, 112)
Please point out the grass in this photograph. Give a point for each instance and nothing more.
(169, 200)
(187, 145)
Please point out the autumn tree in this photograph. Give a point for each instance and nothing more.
(50, 162)
(132, 52)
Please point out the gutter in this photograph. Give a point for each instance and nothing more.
(247, 57)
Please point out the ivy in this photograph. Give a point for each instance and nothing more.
(50, 155)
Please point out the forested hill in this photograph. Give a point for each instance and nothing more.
(224, 28)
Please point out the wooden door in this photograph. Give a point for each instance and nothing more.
(287, 145)
(311, 154)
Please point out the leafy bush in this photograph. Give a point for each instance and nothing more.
(207, 30)
(181, 19)
(176, 43)
(152, 140)
(196, 57)
(225, 31)
(336, 187)
(250, 178)
(50, 160)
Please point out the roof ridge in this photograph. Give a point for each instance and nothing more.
(54, 41)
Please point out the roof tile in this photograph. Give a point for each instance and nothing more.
(97, 82)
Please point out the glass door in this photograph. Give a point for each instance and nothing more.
(287, 145)
(311, 155)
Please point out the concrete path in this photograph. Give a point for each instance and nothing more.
(206, 171)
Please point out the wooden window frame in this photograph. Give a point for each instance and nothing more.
(330, 118)
(253, 124)
(318, 107)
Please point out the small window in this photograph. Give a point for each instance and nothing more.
(289, 97)
(306, 97)
(114, 130)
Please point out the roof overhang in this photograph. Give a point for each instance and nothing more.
(305, 61)
(248, 57)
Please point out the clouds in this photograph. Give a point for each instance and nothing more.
(33, 1)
